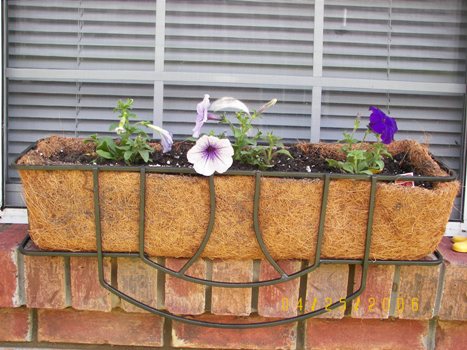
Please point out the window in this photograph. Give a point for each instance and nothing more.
(67, 62)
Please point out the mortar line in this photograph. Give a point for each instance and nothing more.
(113, 272)
(255, 290)
(160, 288)
(301, 325)
(67, 281)
(431, 336)
(167, 334)
(350, 289)
(439, 289)
(21, 292)
(114, 299)
(34, 325)
(208, 289)
(71, 346)
(395, 291)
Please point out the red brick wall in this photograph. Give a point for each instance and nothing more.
(46, 300)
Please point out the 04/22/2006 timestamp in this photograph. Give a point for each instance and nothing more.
(368, 304)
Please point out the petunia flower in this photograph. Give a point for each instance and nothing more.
(120, 129)
(166, 137)
(229, 103)
(266, 106)
(383, 125)
(203, 115)
(211, 154)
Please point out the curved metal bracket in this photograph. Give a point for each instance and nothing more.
(284, 277)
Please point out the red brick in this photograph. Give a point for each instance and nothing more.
(375, 299)
(15, 324)
(10, 238)
(417, 292)
(450, 335)
(232, 301)
(45, 282)
(12, 235)
(197, 337)
(281, 299)
(183, 297)
(349, 333)
(454, 296)
(450, 256)
(326, 285)
(139, 281)
(86, 290)
(91, 327)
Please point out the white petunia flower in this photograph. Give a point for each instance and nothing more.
(211, 154)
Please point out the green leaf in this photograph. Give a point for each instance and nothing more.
(144, 155)
(361, 166)
(251, 142)
(237, 133)
(386, 153)
(91, 138)
(357, 154)
(348, 167)
(284, 151)
(356, 123)
(127, 155)
(367, 172)
(104, 154)
(112, 146)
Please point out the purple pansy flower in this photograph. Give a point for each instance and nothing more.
(383, 125)
(203, 115)
(211, 154)
(166, 138)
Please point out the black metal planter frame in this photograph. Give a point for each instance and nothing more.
(26, 249)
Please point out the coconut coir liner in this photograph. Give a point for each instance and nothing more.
(409, 222)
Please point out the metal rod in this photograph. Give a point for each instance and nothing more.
(236, 325)
(142, 207)
(190, 171)
(369, 232)
(25, 249)
(319, 239)
(172, 170)
(97, 221)
(322, 218)
(212, 219)
(258, 234)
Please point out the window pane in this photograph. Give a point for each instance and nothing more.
(409, 40)
(75, 34)
(257, 37)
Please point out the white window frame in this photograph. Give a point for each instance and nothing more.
(317, 82)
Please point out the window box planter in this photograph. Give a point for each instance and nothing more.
(179, 207)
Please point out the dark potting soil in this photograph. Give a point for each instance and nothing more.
(311, 161)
